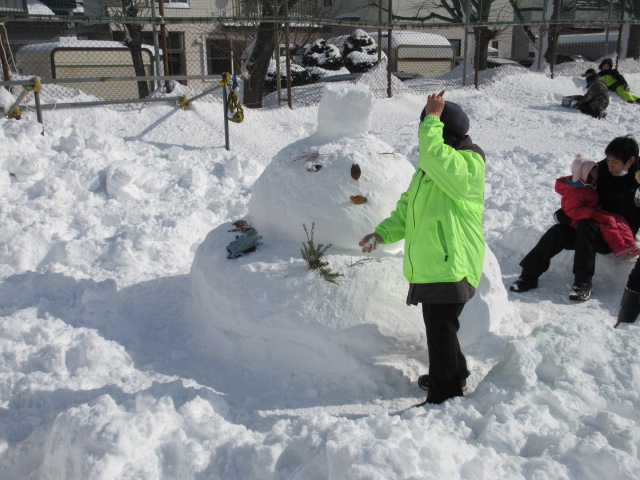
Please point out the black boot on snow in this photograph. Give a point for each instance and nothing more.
(524, 284)
(580, 292)
(423, 383)
(629, 307)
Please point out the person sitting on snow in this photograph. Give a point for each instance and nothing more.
(616, 190)
(616, 82)
(580, 201)
(596, 100)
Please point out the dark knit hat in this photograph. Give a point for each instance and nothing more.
(589, 71)
(453, 117)
(606, 61)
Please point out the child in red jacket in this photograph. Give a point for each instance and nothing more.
(580, 201)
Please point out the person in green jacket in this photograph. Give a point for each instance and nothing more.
(616, 82)
(440, 219)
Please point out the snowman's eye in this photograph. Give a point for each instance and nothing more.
(313, 167)
(355, 171)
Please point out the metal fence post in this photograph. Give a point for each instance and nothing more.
(36, 96)
(156, 49)
(224, 106)
(389, 51)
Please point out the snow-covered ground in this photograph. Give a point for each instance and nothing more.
(115, 221)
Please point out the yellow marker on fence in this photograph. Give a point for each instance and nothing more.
(236, 114)
(36, 87)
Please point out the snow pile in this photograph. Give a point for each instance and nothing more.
(116, 220)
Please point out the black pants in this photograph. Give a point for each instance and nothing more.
(586, 108)
(447, 365)
(633, 283)
(586, 240)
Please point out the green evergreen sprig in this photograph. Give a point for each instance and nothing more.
(314, 255)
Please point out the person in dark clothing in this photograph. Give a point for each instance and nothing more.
(616, 191)
(616, 82)
(630, 303)
(596, 100)
(580, 201)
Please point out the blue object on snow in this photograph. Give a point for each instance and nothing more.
(245, 243)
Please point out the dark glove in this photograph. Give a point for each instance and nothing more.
(560, 217)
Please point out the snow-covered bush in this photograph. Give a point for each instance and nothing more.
(360, 52)
(299, 75)
(324, 55)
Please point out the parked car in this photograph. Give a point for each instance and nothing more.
(500, 62)
(567, 57)
(560, 58)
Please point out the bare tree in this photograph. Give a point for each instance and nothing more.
(633, 10)
(273, 13)
(126, 12)
(261, 52)
(133, 38)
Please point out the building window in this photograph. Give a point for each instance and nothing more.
(223, 55)
(175, 51)
(175, 54)
(219, 56)
(455, 44)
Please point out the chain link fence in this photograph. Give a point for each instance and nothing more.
(110, 45)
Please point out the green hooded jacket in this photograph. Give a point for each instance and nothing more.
(440, 215)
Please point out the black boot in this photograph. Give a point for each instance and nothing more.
(629, 307)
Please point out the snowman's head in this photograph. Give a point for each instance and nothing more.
(344, 110)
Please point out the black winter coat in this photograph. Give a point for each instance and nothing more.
(616, 194)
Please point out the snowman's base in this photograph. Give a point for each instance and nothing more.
(267, 312)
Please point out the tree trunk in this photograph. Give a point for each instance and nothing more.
(483, 36)
(259, 64)
(633, 50)
(551, 54)
(133, 41)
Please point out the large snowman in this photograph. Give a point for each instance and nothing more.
(266, 312)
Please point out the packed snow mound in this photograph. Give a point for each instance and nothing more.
(266, 312)
(344, 110)
(342, 179)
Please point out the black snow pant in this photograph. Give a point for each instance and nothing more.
(447, 365)
(633, 283)
(586, 240)
(586, 108)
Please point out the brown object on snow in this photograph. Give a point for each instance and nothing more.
(355, 171)
(358, 199)
(241, 226)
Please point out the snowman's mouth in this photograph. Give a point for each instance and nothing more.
(358, 199)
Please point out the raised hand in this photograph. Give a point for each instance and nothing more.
(435, 104)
